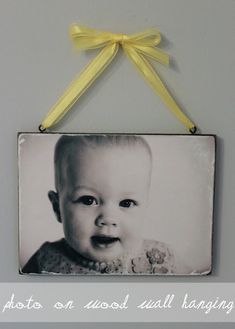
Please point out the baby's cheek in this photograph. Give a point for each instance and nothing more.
(83, 222)
(138, 218)
(132, 229)
(70, 219)
(66, 210)
(72, 212)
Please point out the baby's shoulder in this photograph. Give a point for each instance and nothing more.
(45, 258)
(55, 247)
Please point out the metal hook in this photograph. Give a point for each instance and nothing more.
(41, 129)
(193, 130)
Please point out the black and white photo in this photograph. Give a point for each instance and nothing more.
(117, 204)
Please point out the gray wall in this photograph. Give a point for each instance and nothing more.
(37, 61)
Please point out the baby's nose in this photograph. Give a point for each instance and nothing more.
(105, 221)
(107, 217)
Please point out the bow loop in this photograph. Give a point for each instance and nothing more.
(87, 38)
(148, 37)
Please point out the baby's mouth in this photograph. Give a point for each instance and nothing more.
(104, 241)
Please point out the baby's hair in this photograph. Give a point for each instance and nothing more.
(67, 144)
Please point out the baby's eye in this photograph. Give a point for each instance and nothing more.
(127, 203)
(87, 200)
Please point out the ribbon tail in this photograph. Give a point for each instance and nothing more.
(77, 87)
(145, 68)
(153, 53)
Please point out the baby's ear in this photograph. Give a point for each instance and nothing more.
(54, 199)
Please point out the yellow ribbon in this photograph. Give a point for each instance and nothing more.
(136, 46)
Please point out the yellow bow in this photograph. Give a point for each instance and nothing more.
(136, 46)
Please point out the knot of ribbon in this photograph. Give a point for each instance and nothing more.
(137, 47)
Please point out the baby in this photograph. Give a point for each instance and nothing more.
(102, 185)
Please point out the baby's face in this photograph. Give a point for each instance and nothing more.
(103, 200)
